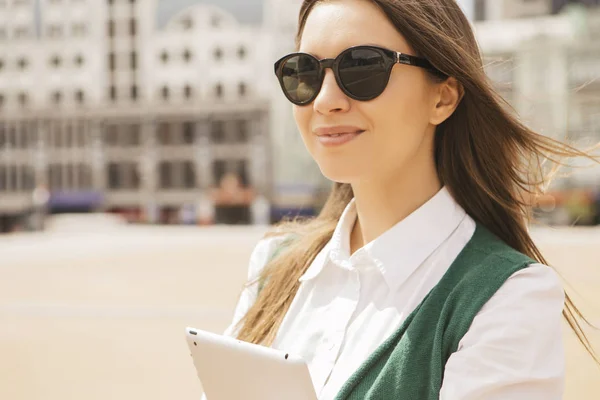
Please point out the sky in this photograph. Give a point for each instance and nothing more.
(246, 11)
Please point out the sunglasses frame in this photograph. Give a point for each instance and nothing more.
(390, 58)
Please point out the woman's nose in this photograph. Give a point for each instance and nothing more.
(331, 99)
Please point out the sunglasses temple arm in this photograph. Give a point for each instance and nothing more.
(417, 62)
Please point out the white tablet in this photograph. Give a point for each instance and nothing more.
(230, 369)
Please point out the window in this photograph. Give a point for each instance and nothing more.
(1, 64)
(24, 135)
(133, 132)
(79, 60)
(22, 63)
(79, 97)
(12, 136)
(134, 92)
(217, 131)
(55, 61)
(164, 56)
(187, 23)
(242, 131)
(218, 53)
(58, 136)
(79, 29)
(1, 100)
(480, 10)
(165, 169)
(57, 97)
(54, 31)
(134, 175)
(219, 91)
(23, 99)
(163, 133)
(3, 34)
(132, 27)
(241, 168)
(51, 176)
(189, 175)
(12, 176)
(3, 185)
(165, 92)
(187, 91)
(187, 56)
(242, 53)
(71, 184)
(112, 61)
(81, 134)
(111, 135)
(114, 178)
(21, 32)
(113, 93)
(27, 178)
(133, 60)
(189, 131)
(85, 176)
(122, 135)
(242, 89)
(219, 170)
(111, 28)
(68, 136)
(215, 21)
(58, 179)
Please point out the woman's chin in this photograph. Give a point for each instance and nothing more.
(340, 175)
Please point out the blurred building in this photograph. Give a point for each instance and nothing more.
(485, 10)
(548, 68)
(109, 106)
(169, 111)
(299, 187)
(544, 58)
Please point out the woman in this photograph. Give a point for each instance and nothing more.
(418, 280)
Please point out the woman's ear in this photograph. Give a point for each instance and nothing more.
(448, 95)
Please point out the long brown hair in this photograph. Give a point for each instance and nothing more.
(490, 162)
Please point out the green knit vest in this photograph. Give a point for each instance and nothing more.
(409, 365)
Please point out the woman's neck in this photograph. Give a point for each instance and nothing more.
(380, 205)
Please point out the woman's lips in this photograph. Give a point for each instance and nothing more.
(337, 131)
(338, 138)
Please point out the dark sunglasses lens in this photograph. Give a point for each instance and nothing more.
(363, 73)
(300, 78)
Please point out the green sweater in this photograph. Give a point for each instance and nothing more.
(409, 365)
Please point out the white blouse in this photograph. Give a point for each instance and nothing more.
(348, 305)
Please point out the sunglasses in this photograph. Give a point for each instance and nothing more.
(362, 72)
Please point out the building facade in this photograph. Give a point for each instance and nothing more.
(299, 186)
(118, 105)
(103, 107)
(548, 68)
(489, 10)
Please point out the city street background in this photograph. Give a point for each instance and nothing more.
(145, 147)
(100, 312)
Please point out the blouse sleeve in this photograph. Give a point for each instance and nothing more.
(258, 259)
(514, 347)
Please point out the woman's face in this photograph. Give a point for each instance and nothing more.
(397, 132)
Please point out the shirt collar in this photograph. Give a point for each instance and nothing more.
(399, 251)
